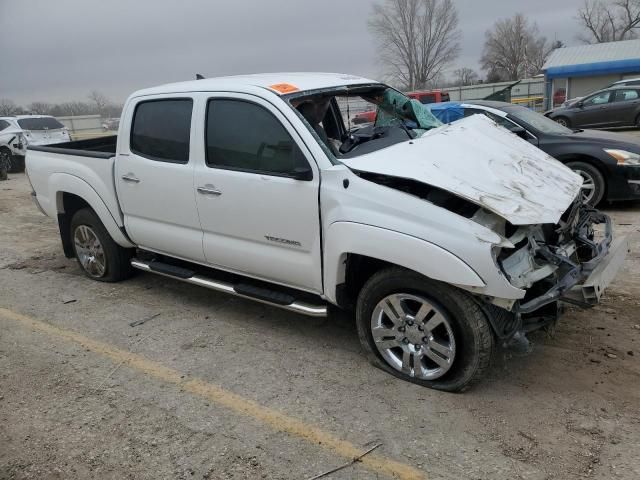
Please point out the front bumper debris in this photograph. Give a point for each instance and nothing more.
(584, 282)
(594, 286)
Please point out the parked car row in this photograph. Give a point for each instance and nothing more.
(615, 106)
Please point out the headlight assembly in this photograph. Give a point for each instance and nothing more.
(623, 157)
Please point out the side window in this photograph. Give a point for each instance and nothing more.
(626, 95)
(428, 98)
(3, 124)
(503, 122)
(244, 136)
(161, 129)
(598, 99)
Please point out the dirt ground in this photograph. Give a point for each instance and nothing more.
(214, 387)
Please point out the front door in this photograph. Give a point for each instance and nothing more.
(593, 110)
(257, 194)
(154, 178)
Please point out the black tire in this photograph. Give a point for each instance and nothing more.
(474, 341)
(17, 164)
(564, 121)
(5, 163)
(638, 121)
(117, 259)
(588, 171)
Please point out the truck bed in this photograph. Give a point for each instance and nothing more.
(84, 168)
(101, 147)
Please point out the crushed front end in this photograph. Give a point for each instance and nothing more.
(572, 261)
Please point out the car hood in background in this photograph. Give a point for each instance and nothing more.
(485, 164)
(606, 139)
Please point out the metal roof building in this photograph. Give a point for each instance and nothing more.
(583, 69)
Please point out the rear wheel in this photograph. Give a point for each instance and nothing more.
(564, 121)
(423, 331)
(5, 163)
(99, 256)
(17, 164)
(593, 184)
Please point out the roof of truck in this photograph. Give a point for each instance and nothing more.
(279, 83)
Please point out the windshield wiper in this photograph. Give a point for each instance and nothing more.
(406, 129)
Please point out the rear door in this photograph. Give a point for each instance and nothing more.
(154, 177)
(257, 218)
(624, 106)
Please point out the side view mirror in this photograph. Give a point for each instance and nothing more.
(580, 104)
(521, 132)
(302, 173)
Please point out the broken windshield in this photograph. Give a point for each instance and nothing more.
(352, 121)
(396, 106)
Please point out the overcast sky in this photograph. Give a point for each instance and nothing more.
(57, 50)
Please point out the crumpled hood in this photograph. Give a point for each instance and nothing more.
(485, 164)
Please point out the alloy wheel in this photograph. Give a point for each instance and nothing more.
(588, 189)
(413, 335)
(89, 251)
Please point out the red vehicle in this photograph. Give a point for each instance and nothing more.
(559, 96)
(423, 96)
(429, 96)
(364, 117)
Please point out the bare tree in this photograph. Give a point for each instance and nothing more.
(609, 21)
(101, 102)
(418, 39)
(40, 108)
(514, 49)
(465, 76)
(8, 108)
(72, 109)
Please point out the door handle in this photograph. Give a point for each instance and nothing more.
(209, 191)
(130, 177)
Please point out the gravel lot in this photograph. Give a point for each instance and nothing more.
(214, 387)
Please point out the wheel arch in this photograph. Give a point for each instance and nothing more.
(591, 160)
(73, 194)
(354, 252)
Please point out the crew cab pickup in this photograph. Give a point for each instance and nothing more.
(443, 239)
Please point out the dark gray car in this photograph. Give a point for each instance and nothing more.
(612, 107)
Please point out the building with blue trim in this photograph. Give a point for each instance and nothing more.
(578, 71)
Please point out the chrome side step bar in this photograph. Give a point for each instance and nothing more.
(259, 295)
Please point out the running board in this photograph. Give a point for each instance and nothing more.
(244, 290)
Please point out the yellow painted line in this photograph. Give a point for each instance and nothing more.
(218, 395)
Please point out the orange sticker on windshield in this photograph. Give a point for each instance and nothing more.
(284, 88)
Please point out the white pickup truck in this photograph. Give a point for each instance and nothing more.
(444, 239)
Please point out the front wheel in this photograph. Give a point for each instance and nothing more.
(593, 183)
(99, 256)
(423, 331)
(564, 121)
